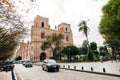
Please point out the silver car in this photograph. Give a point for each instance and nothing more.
(50, 65)
(28, 64)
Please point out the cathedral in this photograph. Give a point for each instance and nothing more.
(39, 30)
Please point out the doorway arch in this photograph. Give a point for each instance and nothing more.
(42, 56)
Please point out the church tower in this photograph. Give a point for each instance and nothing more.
(67, 32)
(39, 30)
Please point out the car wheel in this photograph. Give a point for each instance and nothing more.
(43, 69)
(12, 68)
(57, 69)
(7, 69)
(47, 69)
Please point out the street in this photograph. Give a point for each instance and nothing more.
(36, 73)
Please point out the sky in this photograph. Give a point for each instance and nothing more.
(68, 11)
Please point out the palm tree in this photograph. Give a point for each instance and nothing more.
(85, 29)
(54, 42)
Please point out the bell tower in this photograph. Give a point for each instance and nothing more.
(65, 28)
(40, 24)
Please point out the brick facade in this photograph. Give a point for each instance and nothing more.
(40, 29)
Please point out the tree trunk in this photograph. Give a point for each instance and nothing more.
(87, 50)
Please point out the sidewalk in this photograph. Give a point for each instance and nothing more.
(5, 75)
(105, 67)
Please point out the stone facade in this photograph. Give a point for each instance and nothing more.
(40, 29)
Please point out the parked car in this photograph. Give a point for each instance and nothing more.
(24, 61)
(7, 66)
(18, 62)
(28, 64)
(50, 65)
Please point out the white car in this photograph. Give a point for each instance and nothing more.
(50, 65)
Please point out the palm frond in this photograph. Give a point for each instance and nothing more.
(81, 28)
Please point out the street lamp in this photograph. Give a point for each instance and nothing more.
(69, 55)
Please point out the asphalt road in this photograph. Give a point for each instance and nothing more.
(36, 73)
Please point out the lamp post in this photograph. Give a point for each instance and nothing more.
(69, 55)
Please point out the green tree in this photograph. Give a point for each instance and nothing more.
(93, 46)
(82, 53)
(82, 50)
(93, 50)
(11, 29)
(54, 42)
(18, 58)
(85, 29)
(103, 52)
(110, 23)
(115, 45)
(70, 52)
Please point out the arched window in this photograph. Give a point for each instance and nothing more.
(42, 35)
(67, 38)
(66, 29)
(42, 24)
(42, 56)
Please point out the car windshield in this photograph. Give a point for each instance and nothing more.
(28, 62)
(7, 63)
(51, 61)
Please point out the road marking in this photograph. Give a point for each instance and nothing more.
(19, 76)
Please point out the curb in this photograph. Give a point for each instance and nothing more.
(93, 72)
(108, 74)
(14, 77)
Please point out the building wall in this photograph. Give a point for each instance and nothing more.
(40, 29)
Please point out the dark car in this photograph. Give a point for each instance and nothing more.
(8, 65)
(50, 65)
(28, 64)
(24, 61)
(1, 65)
